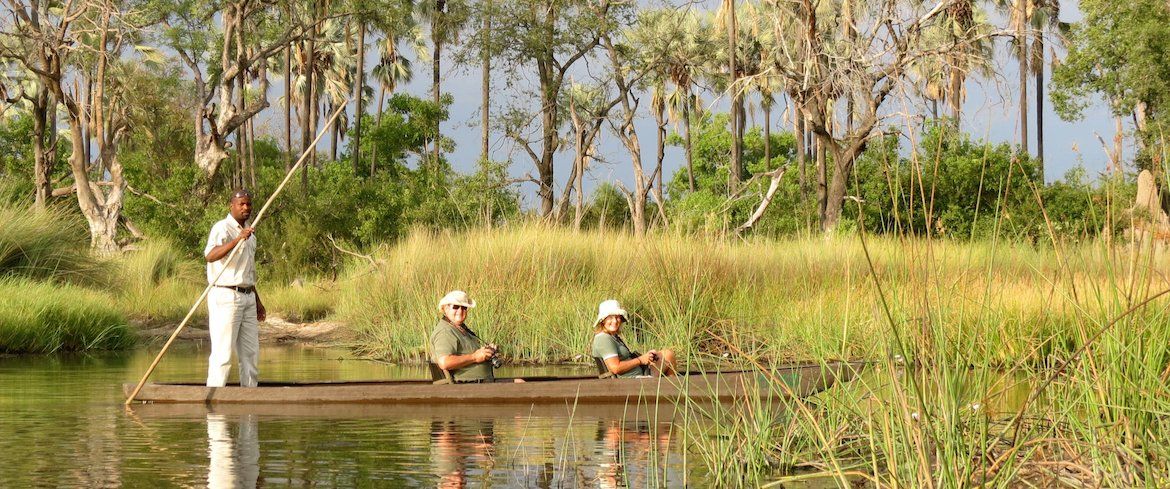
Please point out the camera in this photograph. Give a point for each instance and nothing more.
(496, 361)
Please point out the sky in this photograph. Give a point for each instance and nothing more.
(990, 113)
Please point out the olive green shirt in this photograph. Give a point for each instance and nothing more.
(447, 339)
(606, 346)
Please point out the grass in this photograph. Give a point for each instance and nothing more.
(38, 317)
(47, 245)
(302, 302)
(1078, 396)
(1027, 365)
(158, 284)
(538, 289)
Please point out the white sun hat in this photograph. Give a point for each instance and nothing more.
(609, 308)
(456, 298)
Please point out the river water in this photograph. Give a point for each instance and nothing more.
(62, 424)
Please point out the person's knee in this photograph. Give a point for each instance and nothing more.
(668, 356)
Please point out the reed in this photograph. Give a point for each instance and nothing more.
(157, 283)
(47, 245)
(302, 302)
(538, 288)
(39, 317)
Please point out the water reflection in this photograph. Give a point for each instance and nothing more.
(233, 461)
(632, 453)
(461, 445)
(63, 414)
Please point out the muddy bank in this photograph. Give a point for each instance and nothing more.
(275, 330)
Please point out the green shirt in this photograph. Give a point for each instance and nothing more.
(606, 346)
(447, 339)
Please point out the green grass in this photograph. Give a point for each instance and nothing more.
(301, 303)
(538, 290)
(47, 245)
(157, 284)
(37, 317)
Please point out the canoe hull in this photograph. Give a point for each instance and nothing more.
(802, 380)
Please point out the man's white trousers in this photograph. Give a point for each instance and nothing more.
(231, 318)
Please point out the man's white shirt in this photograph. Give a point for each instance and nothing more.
(241, 270)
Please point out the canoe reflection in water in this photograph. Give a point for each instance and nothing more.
(460, 446)
(233, 461)
(630, 450)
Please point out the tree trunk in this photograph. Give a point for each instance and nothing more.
(1038, 55)
(822, 175)
(378, 123)
(43, 159)
(486, 59)
(767, 136)
(289, 160)
(801, 151)
(305, 107)
(687, 141)
(359, 97)
(1022, 41)
(437, 42)
(735, 168)
(333, 131)
(252, 154)
(548, 120)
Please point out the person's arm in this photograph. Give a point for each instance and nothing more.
(445, 346)
(455, 362)
(618, 366)
(218, 252)
(261, 312)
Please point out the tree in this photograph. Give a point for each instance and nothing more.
(1118, 52)
(74, 41)
(807, 60)
(679, 45)
(551, 36)
(225, 60)
(20, 87)
(390, 17)
(446, 19)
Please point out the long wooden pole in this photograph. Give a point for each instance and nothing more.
(255, 222)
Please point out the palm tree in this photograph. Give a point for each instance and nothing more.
(392, 69)
(679, 45)
(962, 37)
(1045, 22)
(446, 19)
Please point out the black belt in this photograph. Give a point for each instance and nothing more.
(242, 290)
(475, 381)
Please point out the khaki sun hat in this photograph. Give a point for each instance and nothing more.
(609, 308)
(456, 298)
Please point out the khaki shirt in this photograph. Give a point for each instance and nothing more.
(447, 339)
(606, 346)
(241, 271)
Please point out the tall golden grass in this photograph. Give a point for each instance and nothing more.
(538, 288)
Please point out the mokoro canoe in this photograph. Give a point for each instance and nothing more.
(798, 380)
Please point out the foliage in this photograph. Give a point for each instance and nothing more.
(955, 187)
(305, 231)
(1118, 51)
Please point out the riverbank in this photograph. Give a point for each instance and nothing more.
(274, 331)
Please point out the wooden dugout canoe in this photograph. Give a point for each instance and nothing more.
(799, 380)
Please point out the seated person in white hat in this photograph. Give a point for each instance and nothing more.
(613, 352)
(457, 349)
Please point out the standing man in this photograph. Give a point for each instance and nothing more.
(233, 305)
